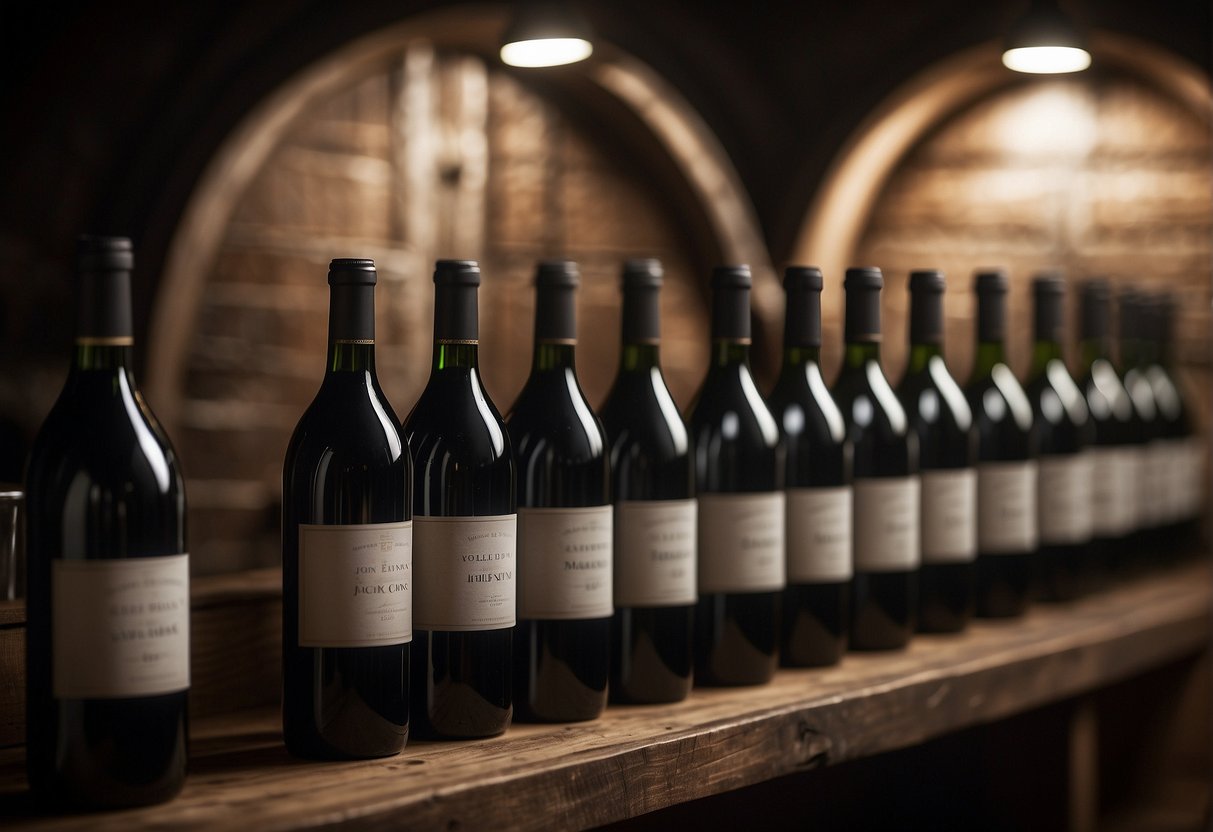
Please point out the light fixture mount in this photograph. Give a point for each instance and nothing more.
(1045, 41)
(542, 34)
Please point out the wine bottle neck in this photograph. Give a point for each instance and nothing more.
(921, 355)
(92, 354)
(796, 357)
(1043, 353)
(455, 355)
(859, 353)
(553, 355)
(351, 357)
(989, 355)
(640, 357)
(1093, 349)
(727, 352)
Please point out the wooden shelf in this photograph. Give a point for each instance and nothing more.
(637, 759)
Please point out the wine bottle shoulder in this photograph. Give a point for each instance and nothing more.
(729, 405)
(348, 424)
(805, 410)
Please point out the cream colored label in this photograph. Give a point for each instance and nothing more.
(564, 562)
(1139, 462)
(120, 628)
(741, 542)
(655, 553)
(819, 535)
(465, 568)
(355, 585)
(1194, 477)
(1154, 497)
(949, 515)
(1064, 499)
(887, 524)
(1112, 511)
(1006, 508)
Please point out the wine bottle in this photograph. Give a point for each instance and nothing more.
(817, 480)
(347, 539)
(738, 480)
(562, 641)
(1112, 448)
(107, 644)
(884, 589)
(652, 488)
(464, 530)
(1063, 431)
(1006, 462)
(947, 457)
(1149, 464)
(1183, 455)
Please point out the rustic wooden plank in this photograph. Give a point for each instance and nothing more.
(637, 759)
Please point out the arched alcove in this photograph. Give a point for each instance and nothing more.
(408, 145)
(970, 165)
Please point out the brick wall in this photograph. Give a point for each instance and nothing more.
(1096, 175)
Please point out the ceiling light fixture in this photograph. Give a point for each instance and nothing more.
(546, 34)
(1045, 41)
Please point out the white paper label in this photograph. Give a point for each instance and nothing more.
(120, 628)
(1064, 499)
(1154, 498)
(819, 535)
(1194, 477)
(655, 553)
(1112, 470)
(465, 568)
(564, 562)
(741, 542)
(1006, 508)
(1139, 463)
(355, 585)
(887, 524)
(949, 515)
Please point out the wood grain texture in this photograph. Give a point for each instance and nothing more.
(637, 759)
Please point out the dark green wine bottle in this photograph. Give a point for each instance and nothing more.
(947, 456)
(739, 483)
(884, 594)
(1112, 448)
(1006, 462)
(347, 546)
(817, 480)
(1063, 431)
(1149, 463)
(562, 641)
(1181, 447)
(464, 530)
(108, 603)
(653, 487)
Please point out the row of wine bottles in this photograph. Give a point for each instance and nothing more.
(446, 575)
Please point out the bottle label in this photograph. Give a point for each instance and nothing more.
(1064, 499)
(887, 524)
(741, 542)
(120, 628)
(1006, 508)
(949, 515)
(564, 562)
(1194, 477)
(355, 585)
(1139, 463)
(655, 553)
(465, 567)
(819, 535)
(1157, 471)
(1112, 491)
